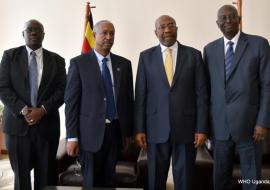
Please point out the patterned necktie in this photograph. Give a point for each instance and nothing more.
(107, 81)
(33, 75)
(229, 59)
(169, 65)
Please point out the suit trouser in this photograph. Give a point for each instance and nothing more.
(250, 163)
(28, 152)
(183, 165)
(98, 168)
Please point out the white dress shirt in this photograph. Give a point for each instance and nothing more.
(174, 49)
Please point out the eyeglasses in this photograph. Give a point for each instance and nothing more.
(169, 26)
(36, 30)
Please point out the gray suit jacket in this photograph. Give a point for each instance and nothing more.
(243, 101)
(177, 111)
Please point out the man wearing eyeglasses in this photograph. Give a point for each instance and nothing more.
(171, 108)
(32, 84)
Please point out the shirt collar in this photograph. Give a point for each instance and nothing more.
(38, 51)
(174, 47)
(234, 39)
(101, 57)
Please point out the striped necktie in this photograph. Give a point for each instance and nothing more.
(229, 59)
(33, 75)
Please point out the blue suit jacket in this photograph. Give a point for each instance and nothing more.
(86, 103)
(179, 110)
(244, 100)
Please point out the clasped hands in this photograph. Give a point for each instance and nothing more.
(32, 115)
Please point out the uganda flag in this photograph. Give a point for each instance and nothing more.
(88, 40)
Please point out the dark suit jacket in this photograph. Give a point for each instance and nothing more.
(179, 110)
(86, 100)
(244, 100)
(15, 91)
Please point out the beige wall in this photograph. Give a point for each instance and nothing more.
(133, 19)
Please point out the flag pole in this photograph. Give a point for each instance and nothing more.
(88, 39)
(87, 14)
(239, 9)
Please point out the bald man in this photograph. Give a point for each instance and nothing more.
(238, 67)
(171, 108)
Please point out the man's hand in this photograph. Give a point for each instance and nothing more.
(140, 139)
(34, 115)
(72, 148)
(199, 139)
(259, 133)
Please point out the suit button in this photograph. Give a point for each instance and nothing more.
(105, 99)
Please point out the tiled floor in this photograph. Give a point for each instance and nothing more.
(6, 174)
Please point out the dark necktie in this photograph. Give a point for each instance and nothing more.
(33, 74)
(229, 59)
(107, 81)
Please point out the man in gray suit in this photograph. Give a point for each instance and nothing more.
(238, 65)
(171, 108)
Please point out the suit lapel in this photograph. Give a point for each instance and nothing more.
(46, 73)
(220, 56)
(159, 65)
(180, 60)
(93, 66)
(24, 64)
(117, 72)
(240, 48)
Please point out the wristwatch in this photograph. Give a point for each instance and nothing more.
(24, 111)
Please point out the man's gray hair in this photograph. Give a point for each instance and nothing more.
(96, 26)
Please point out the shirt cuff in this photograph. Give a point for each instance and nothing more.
(72, 139)
(42, 106)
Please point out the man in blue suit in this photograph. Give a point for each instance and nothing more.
(99, 108)
(171, 109)
(238, 67)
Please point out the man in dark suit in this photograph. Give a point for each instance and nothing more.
(32, 84)
(170, 111)
(99, 107)
(238, 65)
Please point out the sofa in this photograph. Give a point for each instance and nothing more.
(69, 168)
(131, 170)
